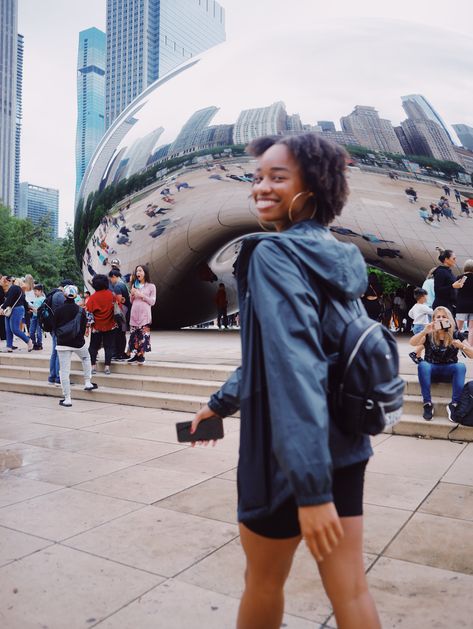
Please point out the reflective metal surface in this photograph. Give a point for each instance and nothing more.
(173, 182)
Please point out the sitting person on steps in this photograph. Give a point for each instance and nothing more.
(421, 314)
(441, 343)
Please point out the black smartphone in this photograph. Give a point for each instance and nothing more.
(208, 430)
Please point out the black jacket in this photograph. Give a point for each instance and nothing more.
(62, 316)
(11, 298)
(465, 295)
(288, 443)
(444, 292)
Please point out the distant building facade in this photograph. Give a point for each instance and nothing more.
(37, 202)
(465, 135)
(8, 94)
(465, 158)
(19, 116)
(91, 64)
(326, 125)
(426, 137)
(370, 130)
(417, 107)
(148, 38)
(252, 123)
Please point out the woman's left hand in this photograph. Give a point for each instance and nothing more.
(321, 528)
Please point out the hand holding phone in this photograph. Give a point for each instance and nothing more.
(209, 429)
(441, 325)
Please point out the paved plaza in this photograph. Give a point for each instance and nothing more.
(106, 521)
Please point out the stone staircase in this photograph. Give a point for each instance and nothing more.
(186, 386)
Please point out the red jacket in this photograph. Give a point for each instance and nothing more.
(100, 304)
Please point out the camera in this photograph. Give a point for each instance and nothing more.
(442, 325)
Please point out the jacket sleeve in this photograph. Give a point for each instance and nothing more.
(226, 401)
(287, 309)
(149, 294)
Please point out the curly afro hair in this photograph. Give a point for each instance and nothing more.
(322, 164)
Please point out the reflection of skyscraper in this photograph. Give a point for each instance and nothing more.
(326, 125)
(370, 130)
(190, 131)
(148, 38)
(252, 123)
(465, 134)
(90, 97)
(19, 116)
(8, 79)
(426, 137)
(37, 202)
(141, 151)
(417, 107)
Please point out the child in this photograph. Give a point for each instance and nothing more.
(35, 329)
(421, 314)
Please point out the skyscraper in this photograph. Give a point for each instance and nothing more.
(252, 123)
(37, 202)
(370, 130)
(90, 97)
(417, 107)
(8, 111)
(465, 134)
(426, 137)
(19, 116)
(148, 38)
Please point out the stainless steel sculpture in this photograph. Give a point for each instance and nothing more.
(169, 185)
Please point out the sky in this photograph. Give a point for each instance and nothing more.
(51, 30)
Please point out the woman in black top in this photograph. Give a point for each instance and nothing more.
(464, 284)
(443, 281)
(442, 343)
(14, 299)
(371, 298)
(2, 318)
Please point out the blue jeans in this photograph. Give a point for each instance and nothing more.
(417, 327)
(54, 361)
(35, 331)
(12, 326)
(453, 372)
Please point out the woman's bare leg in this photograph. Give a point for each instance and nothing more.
(344, 580)
(268, 562)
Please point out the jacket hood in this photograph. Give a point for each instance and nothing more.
(340, 266)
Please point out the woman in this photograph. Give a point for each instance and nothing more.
(299, 476)
(28, 289)
(372, 297)
(14, 299)
(142, 296)
(101, 305)
(464, 284)
(70, 322)
(441, 343)
(443, 280)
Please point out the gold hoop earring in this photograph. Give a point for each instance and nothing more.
(289, 212)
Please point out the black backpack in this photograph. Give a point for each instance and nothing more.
(464, 410)
(72, 328)
(365, 390)
(45, 312)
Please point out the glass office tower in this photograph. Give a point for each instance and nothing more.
(19, 116)
(90, 97)
(37, 202)
(8, 62)
(417, 107)
(148, 38)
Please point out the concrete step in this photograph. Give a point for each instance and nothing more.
(437, 428)
(218, 373)
(170, 401)
(134, 380)
(413, 405)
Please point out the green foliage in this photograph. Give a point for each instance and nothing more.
(28, 248)
(388, 282)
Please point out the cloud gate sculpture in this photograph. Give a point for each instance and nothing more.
(169, 184)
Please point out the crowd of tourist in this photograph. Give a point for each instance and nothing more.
(104, 317)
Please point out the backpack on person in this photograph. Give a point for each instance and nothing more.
(464, 410)
(365, 393)
(45, 312)
(72, 328)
